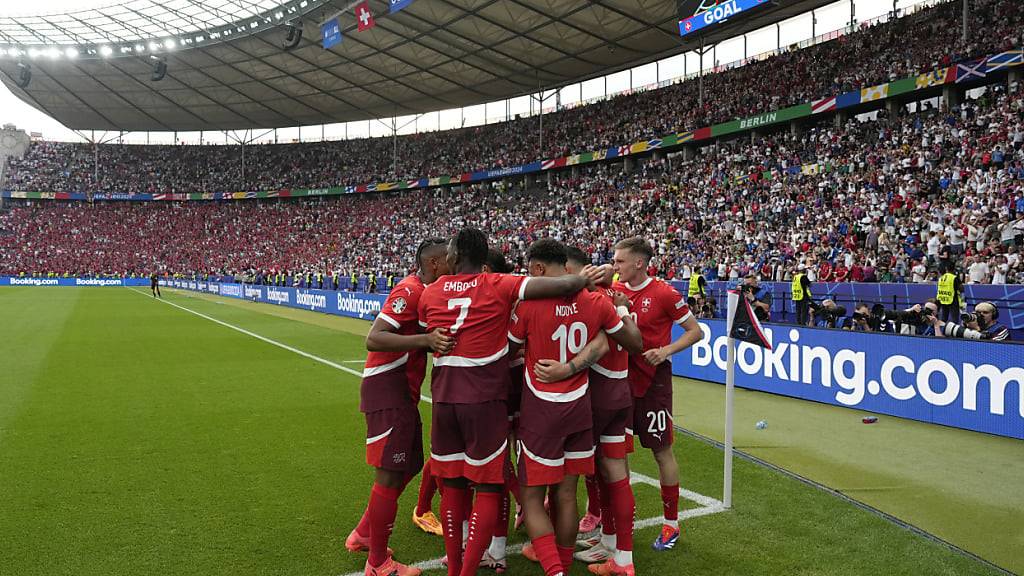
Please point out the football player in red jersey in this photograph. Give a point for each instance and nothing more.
(389, 394)
(555, 430)
(656, 305)
(469, 386)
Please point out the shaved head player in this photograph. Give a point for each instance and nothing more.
(389, 394)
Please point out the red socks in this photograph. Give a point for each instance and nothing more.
(382, 510)
(623, 507)
(428, 487)
(670, 502)
(547, 554)
(565, 556)
(594, 495)
(453, 512)
(607, 513)
(481, 529)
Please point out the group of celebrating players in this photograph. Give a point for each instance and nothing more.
(521, 362)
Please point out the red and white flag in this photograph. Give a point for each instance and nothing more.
(364, 17)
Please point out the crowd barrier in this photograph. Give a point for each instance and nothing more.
(43, 281)
(339, 303)
(1009, 298)
(960, 383)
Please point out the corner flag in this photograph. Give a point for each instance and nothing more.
(745, 325)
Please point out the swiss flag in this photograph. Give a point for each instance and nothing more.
(364, 17)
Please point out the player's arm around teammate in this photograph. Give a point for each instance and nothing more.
(389, 393)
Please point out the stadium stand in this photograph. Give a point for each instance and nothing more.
(913, 44)
(883, 200)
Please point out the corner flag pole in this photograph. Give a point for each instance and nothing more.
(730, 384)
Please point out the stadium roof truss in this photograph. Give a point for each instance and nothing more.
(227, 70)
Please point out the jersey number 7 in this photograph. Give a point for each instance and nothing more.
(463, 305)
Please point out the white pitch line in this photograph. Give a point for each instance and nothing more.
(708, 505)
(263, 338)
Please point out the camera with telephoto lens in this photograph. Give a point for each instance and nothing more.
(968, 318)
(880, 314)
(829, 315)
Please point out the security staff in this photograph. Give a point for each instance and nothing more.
(948, 293)
(355, 281)
(391, 282)
(697, 285)
(373, 283)
(801, 295)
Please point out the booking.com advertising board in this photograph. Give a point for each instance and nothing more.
(32, 281)
(960, 383)
(350, 304)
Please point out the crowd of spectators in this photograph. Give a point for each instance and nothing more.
(873, 54)
(885, 200)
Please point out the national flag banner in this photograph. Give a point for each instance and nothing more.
(638, 147)
(364, 18)
(412, 184)
(972, 70)
(1005, 60)
(684, 137)
(552, 163)
(396, 5)
(848, 99)
(330, 33)
(745, 326)
(623, 151)
(654, 144)
(873, 93)
(160, 197)
(823, 105)
(933, 78)
(810, 169)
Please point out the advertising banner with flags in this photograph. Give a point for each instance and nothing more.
(330, 33)
(396, 5)
(364, 18)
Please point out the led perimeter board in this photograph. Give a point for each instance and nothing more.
(698, 15)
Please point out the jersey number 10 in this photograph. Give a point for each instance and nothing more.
(570, 338)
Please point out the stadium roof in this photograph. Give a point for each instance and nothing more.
(226, 68)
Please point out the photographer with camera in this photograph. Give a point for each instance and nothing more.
(826, 314)
(925, 312)
(980, 325)
(862, 320)
(703, 307)
(760, 297)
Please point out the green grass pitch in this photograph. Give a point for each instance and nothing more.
(139, 439)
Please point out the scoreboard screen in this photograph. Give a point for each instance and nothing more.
(697, 15)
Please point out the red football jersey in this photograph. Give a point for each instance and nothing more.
(391, 379)
(475, 309)
(608, 386)
(656, 305)
(557, 329)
